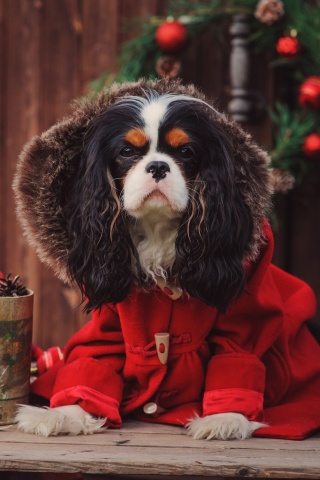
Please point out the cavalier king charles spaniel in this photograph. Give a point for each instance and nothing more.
(148, 189)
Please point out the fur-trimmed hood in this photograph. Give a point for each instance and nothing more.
(48, 163)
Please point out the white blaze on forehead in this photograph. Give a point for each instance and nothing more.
(152, 114)
(153, 107)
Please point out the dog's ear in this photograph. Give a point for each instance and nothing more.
(223, 225)
(100, 257)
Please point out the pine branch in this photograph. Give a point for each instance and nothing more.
(291, 129)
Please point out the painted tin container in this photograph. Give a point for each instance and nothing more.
(16, 315)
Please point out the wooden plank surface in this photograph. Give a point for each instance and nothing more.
(146, 449)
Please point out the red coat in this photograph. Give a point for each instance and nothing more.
(258, 359)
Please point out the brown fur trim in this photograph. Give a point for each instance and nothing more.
(48, 162)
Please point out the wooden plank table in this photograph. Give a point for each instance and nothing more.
(158, 450)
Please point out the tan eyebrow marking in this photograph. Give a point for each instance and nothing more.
(137, 137)
(177, 137)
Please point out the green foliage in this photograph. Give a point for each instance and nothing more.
(291, 128)
(137, 57)
(301, 19)
(200, 16)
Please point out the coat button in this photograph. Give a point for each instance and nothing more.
(162, 345)
(152, 409)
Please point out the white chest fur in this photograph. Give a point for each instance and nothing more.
(154, 237)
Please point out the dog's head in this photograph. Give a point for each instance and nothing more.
(149, 180)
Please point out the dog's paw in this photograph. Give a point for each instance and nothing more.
(68, 420)
(222, 426)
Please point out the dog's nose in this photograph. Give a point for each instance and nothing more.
(158, 170)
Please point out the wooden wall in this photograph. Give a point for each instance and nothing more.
(49, 51)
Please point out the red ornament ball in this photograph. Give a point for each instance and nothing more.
(311, 146)
(309, 94)
(171, 36)
(288, 47)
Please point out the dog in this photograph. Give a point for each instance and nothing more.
(153, 203)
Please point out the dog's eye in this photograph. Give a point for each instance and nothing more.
(186, 153)
(127, 152)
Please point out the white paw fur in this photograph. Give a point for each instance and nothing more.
(67, 420)
(222, 426)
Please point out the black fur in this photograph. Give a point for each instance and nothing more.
(210, 252)
(100, 257)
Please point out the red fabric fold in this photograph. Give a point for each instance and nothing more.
(235, 370)
(91, 401)
(238, 400)
(95, 375)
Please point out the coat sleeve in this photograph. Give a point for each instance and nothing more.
(235, 380)
(91, 376)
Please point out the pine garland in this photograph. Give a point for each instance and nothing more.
(300, 19)
(291, 127)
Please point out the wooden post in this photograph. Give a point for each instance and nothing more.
(240, 105)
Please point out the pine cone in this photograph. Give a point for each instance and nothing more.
(269, 11)
(282, 180)
(168, 67)
(12, 288)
